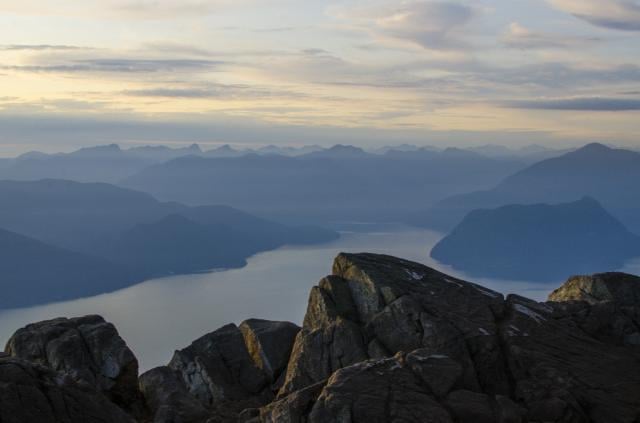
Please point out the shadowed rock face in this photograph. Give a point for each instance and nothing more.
(383, 340)
(30, 393)
(374, 306)
(222, 373)
(86, 350)
(490, 359)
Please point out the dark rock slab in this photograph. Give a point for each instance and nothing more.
(167, 395)
(375, 306)
(562, 374)
(377, 391)
(32, 393)
(88, 351)
(221, 374)
(269, 344)
(621, 288)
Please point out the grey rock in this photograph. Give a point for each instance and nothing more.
(377, 391)
(87, 350)
(32, 393)
(440, 373)
(470, 407)
(508, 411)
(377, 305)
(293, 408)
(218, 367)
(168, 397)
(621, 288)
(269, 344)
(563, 374)
(221, 374)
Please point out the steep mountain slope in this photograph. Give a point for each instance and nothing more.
(33, 272)
(538, 242)
(133, 230)
(608, 175)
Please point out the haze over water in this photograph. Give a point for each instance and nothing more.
(159, 316)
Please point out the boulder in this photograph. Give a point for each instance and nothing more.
(561, 373)
(470, 407)
(620, 288)
(32, 393)
(88, 351)
(381, 391)
(605, 306)
(167, 395)
(221, 374)
(269, 344)
(374, 306)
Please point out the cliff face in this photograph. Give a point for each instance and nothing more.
(383, 340)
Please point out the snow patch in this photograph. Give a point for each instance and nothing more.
(414, 275)
(530, 313)
(458, 284)
(484, 331)
(486, 291)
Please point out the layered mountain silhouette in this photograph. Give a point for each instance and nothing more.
(103, 237)
(538, 242)
(34, 272)
(340, 184)
(606, 174)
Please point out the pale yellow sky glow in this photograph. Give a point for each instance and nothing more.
(367, 72)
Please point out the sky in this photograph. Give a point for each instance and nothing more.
(370, 72)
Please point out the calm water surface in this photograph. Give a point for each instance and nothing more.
(158, 316)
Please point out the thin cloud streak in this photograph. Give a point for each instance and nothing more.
(593, 104)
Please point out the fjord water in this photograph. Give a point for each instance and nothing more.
(159, 316)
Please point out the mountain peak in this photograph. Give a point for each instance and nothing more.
(594, 147)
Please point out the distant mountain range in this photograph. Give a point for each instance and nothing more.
(343, 183)
(110, 163)
(538, 242)
(609, 175)
(81, 239)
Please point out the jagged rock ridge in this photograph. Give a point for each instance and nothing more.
(383, 340)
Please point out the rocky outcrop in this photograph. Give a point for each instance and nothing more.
(464, 352)
(604, 306)
(30, 393)
(269, 345)
(374, 306)
(86, 350)
(618, 288)
(383, 340)
(219, 375)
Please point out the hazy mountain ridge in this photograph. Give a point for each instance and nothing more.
(133, 232)
(340, 184)
(111, 163)
(34, 272)
(603, 173)
(538, 242)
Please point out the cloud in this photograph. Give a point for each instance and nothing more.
(115, 9)
(430, 24)
(116, 65)
(596, 104)
(623, 15)
(213, 91)
(38, 47)
(518, 36)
